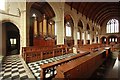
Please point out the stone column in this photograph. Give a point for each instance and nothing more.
(44, 25)
(40, 28)
(75, 34)
(49, 28)
(60, 32)
(91, 38)
(75, 38)
(35, 27)
(98, 38)
(53, 29)
(84, 37)
(95, 39)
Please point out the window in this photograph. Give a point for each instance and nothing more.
(2, 4)
(82, 36)
(104, 39)
(55, 30)
(78, 35)
(13, 41)
(68, 29)
(115, 39)
(88, 35)
(112, 26)
(110, 39)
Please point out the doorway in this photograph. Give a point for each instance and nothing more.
(12, 38)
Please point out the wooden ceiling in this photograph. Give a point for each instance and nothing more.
(98, 12)
(44, 8)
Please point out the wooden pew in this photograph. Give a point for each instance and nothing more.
(60, 62)
(31, 54)
(81, 67)
(31, 49)
(90, 47)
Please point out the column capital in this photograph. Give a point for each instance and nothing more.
(44, 16)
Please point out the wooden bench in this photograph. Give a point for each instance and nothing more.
(31, 54)
(33, 49)
(82, 67)
(90, 47)
(60, 62)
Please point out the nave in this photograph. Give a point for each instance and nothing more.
(59, 40)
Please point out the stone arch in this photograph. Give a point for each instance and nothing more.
(29, 5)
(72, 16)
(10, 31)
(82, 20)
(5, 20)
(88, 27)
(102, 39)
(80, 24)
(69, 17)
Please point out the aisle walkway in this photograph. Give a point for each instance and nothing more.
(109, 70)
(35, 66)
(14, 68)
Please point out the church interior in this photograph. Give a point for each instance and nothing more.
(59, 40)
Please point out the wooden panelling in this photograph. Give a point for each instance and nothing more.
(81, 67)
(36, 53)
(43, 42)
(59, 63)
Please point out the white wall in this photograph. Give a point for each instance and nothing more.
(11, 14)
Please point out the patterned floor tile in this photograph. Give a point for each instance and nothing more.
(12, 69)
(35, 66)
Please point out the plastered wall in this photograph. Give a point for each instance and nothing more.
(15, 13)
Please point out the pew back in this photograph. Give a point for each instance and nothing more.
(82, 67)
(31, 54)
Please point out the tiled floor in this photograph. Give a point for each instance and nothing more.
(13, 69)
(35, 66)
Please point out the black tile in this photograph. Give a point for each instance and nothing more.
(14, 63)
(35, 68)
(38, 71)
(7, 76)
(24, 77)
(14, 67)
(3, 69)
(8, 71)
(19, 64)
(15, 77)
(22, 72)
(21, 67)
(8, 66)
(15, 71)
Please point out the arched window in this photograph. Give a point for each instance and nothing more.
(83, 36)
(55, 30)
(2, 4)
(68, 29)
(88, 36)
(78, 35)
(112, 26)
